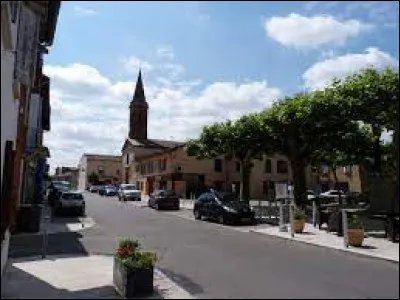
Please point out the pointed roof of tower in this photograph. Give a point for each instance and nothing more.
(139, 90)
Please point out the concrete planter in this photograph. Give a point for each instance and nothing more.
(299, 225)
(355, 237)
(130, 283)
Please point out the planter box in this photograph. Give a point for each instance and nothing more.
(299, 225)
(131, 283)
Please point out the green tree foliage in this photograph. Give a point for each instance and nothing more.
(94, 178)
(372, 97)
(242, 139)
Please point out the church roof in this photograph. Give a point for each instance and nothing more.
(152, 146)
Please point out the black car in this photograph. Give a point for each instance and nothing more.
(223, 208)
(163, 199)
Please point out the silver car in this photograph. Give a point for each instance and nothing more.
(128, 191)
(71, 201)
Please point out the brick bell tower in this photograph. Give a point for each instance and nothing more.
(138, 111)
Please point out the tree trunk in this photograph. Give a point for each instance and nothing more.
(339, 219)
(245, 172)
(377, 149)
(299, 183)
(227, 184)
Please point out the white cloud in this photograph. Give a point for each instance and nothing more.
(302, 32)
(96, 120)
(133, 63)
(173, 69)
(84, 11)
(165, 51)
(322, 73)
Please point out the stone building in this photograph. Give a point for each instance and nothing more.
(107, 168)
(152, 163)
(70, 174)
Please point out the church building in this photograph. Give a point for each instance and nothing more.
(153, 163)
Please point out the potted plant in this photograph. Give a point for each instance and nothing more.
(133, 269)
(355, 231)
(299, 217)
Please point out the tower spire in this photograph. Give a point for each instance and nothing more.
(139, 95)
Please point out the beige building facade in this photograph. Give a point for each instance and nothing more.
(107, 167)
(188, 176)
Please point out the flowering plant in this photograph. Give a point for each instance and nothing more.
(130, 255)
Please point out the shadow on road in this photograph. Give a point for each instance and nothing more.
(183, 281)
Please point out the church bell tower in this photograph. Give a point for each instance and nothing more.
(138, 111)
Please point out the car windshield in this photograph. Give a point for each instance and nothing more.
(62, 185)
(72, 196)
(167, 193)
(225, 197)
(129, 187)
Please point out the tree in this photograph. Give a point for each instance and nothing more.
(350, 147)
(94, 178)
(372, 97)
(241, 139)
(301, 126)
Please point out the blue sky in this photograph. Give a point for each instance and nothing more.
(201, 61)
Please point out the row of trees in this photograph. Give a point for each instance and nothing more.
(339, 125)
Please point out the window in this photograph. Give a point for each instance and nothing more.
(265, 187)
(218, 165)
(150, 167)
(282, 167)
(237, 166)
(127, 158)
(268, 166)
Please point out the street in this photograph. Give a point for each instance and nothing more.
(214, 261)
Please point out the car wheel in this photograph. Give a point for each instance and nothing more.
(221, 219)
(157, 207)
(197, 215)
(177, 207)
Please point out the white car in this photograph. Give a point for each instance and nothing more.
(128, 191)
(71, 201)
(332, 194)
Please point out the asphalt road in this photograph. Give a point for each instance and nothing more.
(214, 261)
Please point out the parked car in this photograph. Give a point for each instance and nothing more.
(333, 194)
(110, 190)
(102, 190)
(128, 191)
(223, 208)
(94, 189)
(71, 201)
(163, 199)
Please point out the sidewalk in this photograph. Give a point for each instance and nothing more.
(372, 246)
(80, 277)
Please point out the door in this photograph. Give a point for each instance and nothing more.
(213, 207)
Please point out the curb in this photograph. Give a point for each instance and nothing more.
(322, 246)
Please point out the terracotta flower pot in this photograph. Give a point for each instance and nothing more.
(299, 225)
(355, 237)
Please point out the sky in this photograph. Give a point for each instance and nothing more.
(202, 62)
